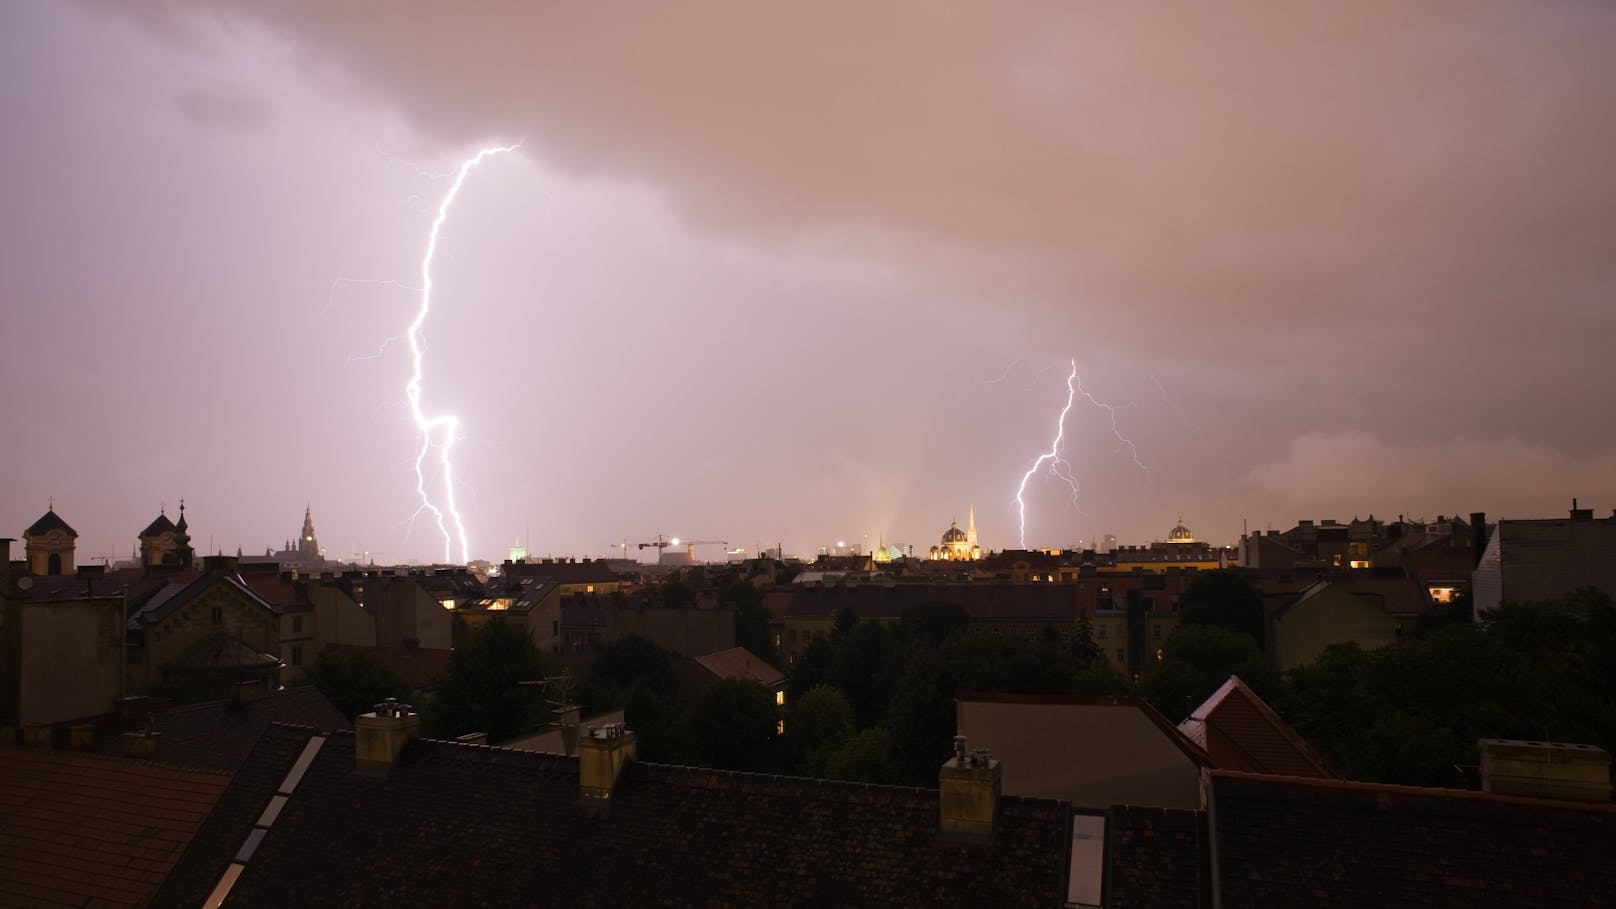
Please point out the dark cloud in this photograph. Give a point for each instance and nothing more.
(1335, 232)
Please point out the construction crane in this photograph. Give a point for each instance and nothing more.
(662, 543)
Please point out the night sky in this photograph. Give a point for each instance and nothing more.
(761, 273)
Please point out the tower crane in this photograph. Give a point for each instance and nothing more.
(661, 543)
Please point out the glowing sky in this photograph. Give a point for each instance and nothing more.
(797, 274)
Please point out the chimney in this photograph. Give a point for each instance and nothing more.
(969, 796)
(1554, 770)
(142, 746)
(81, 736)
(601, 756)
(380, 736)
(1478, 536)
(1581, 514)
(567, 719)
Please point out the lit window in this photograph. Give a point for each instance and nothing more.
(448, 604)
(780, 727)
(779, 699)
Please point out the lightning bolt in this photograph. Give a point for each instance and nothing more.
(439, 430)
(1052, 456)
(1112, 410)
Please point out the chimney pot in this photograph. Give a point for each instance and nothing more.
(968, 798)
(380, 736)
(601, 756)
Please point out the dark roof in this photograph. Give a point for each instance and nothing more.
(218, 735)
(86, 830)
(220, 651)
(471, 825)
(740, 663)
(1241, 732)
(1288, 842)
(598, 571)
(983, 602)
(161, 525)
(48, 522)
(421, 667)
(179, 593)
(1158, 858)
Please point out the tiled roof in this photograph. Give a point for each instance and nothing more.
(161, 525)
(1241, 732)
(48, 522)
(178, 594)
(476, 826)
(219, 735)
(740, 663)
(1158, 858)
(86, 830)
(1325, 843)
(421, 666)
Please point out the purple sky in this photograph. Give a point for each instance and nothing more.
(797, 274)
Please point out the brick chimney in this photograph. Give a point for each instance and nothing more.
(380, 736)
(969, 797)
(601, 756)
(1554, 770)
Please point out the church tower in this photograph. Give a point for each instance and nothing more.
(308, 548)
(49, 545)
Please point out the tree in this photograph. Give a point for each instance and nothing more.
(735, 725)
(355, 682)
(481, 689)
(1226, 599)
(818, 725)
(933, 622)
(624, 666)
(752, 629)
(676, 594)
(865, 758)
(1196, 659)
(862, 667)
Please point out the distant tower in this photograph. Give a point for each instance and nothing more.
(308, 548)
(49, 543)
(183, 553)
(970, 528)
(157, 541)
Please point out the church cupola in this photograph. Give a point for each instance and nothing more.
(49, 544)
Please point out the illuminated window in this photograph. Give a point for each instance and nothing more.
(779, 699)
(780, 728)
(448, 604)
(589, 588)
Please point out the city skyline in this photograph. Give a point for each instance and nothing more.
(717, 293)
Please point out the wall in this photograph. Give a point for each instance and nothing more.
(70, 659)
(1330, 615)
(1087, 751)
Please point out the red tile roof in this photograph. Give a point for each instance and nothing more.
(740, 663)
(1241, 732)
(83, 830)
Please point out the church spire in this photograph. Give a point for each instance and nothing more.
(970, 529)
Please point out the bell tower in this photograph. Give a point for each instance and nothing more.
(308, 548)
(49, 545)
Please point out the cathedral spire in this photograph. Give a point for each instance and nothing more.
(970, 529)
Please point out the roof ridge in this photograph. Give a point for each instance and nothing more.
(1430, 792)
